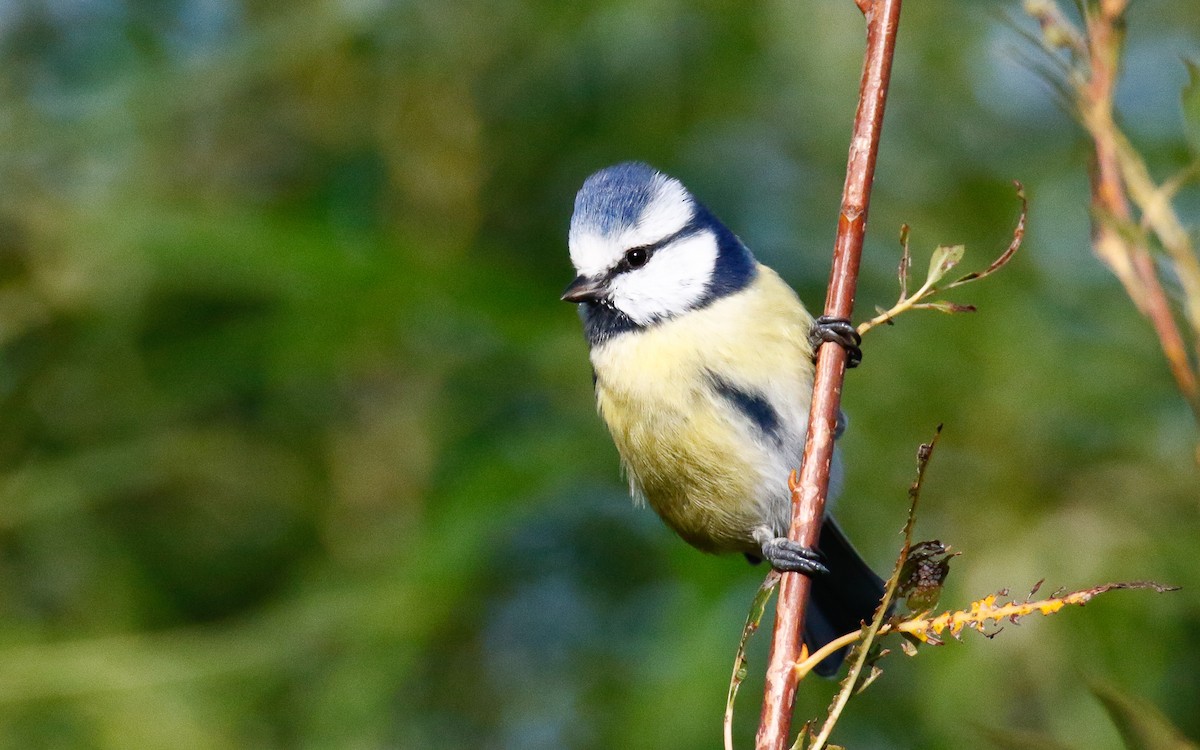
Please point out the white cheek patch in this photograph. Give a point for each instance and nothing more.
(673, 282)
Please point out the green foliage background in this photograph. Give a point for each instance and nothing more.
(297, 446)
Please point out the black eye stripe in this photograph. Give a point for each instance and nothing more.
(636, 257)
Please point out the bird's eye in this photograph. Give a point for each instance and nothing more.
(637, 257)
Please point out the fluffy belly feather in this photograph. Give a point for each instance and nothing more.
(684, 458)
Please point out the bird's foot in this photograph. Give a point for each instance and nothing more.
(787, 556)
(839, 331)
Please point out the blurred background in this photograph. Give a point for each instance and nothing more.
(297, 442)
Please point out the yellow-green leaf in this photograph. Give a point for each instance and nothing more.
(943, 259)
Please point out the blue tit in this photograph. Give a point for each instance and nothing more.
(703, 374)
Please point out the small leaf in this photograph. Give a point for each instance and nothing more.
(943, 259)
(905, 263)
(946, 307)
(1035, 588)
(1190, 100)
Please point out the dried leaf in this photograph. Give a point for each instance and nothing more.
(946, 307)
(923, 575)
(905, 263)
(1015, 244)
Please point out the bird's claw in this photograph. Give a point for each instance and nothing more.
(839, 331)
(787, 556)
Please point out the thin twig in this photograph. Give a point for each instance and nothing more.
(943, 260)
(978, 615)
(870, 633)
(1155, 205)
(1118, 175)
(1128, 257)
(808, 497)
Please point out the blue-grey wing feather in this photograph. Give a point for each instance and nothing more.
(754, 406)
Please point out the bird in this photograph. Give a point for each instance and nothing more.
(702, 364)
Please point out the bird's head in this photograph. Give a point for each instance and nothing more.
(645, 251)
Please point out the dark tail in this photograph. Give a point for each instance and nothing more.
(841, 601)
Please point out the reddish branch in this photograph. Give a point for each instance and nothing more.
(808, 495)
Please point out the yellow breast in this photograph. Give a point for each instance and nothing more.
(698, 462)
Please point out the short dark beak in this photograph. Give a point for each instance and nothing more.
(583, 289)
